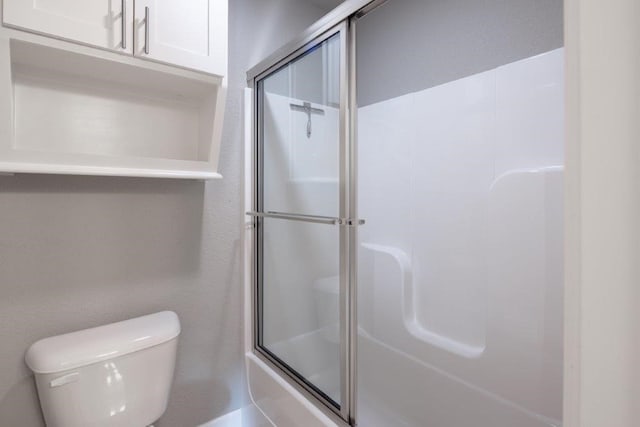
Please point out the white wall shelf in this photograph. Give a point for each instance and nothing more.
(72, 109)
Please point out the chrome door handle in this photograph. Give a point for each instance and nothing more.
(297, 217)
(308, 218)
(146, 30)
(124, 24)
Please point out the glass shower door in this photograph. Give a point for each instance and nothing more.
(301, 264)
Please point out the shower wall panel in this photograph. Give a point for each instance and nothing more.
(460, 261)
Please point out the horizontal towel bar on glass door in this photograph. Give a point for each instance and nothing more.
(307, 218)
(297, 217)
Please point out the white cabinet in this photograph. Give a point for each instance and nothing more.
(104, 23)
(75, 99)
(190, 34)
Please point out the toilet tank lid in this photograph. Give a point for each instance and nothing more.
(88, 346)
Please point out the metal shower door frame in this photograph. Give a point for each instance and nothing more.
(342, 20)
(342, 221)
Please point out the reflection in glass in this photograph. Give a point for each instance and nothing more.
(300, 116)
(300, 300)
(298, 284)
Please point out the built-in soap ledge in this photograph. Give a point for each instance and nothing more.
(67, 112)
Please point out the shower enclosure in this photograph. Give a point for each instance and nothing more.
(407, 204)
(302, 218)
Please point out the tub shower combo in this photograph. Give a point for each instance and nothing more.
(406, 258)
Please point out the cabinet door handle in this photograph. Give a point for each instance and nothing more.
(124, 24)
(146, 30)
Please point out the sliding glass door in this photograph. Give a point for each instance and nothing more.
(302, 231)
(459, 153)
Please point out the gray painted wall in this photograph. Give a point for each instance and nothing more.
(77, 252)
(411, 45)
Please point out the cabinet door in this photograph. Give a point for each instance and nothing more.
(191, 34)
(102, 23)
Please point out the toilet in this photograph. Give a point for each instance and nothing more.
(116, 375)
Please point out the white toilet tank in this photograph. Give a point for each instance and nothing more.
(117, 375)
